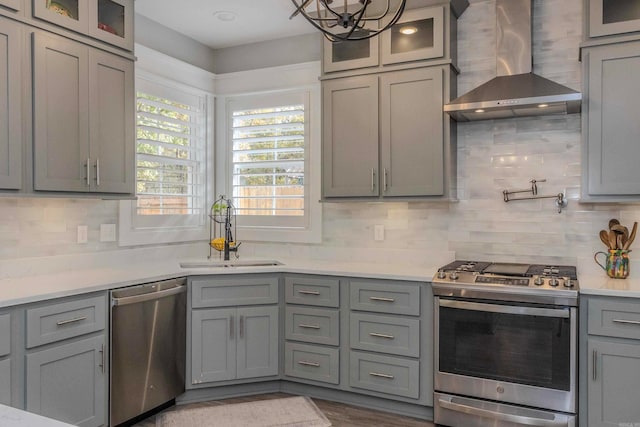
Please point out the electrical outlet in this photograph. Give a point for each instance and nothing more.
(378, 232)
(83, 232)
(107, 232)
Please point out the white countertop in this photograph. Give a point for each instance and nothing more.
(15, 291)
(12, 417)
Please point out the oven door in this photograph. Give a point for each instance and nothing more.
(506, 352)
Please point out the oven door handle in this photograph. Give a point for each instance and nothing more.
(508, 309)
(511, 418)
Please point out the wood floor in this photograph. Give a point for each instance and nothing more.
(339, 414)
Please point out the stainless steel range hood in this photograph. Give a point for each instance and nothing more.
(516, 91)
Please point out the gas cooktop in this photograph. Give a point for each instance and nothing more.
(470, 276)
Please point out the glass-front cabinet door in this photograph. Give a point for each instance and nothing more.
(418, 35)
(347, 55)
(112, 22)
(608, 17)
(71, 14)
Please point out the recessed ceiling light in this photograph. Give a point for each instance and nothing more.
(543, 105)
(408, 30)
(479, 110)
(225, 15)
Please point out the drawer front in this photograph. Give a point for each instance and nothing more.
(384, 374)
(314, 325)
(229, 291)
(614, 318)
(5, 334)
(5, 382)
(56, 322)
(384, 334)
(390, 297)
(312, 362)
(312, 291)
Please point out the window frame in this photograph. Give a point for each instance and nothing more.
(173, 228)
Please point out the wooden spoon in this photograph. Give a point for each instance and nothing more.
(604, 236)
(620, 243)
(612, 239)
(613, 222)
(631, 236)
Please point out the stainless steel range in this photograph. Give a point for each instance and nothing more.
(505, 344)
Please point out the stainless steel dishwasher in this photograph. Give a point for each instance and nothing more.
(147, 347)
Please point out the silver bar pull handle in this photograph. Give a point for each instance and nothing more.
(375, 334)
(302, 325)
(102, 358)
(384, 179)
(149, 296)
(373, 180)
(595, 365)
(97, 172)
(241, 327)
(305, 292)
(492, 415)
(74, 320)
(231, 323)
(383, 299)
(626, 322)
(377, 374)
(305, 363)
(88, 170)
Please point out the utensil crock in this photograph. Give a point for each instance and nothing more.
(616, 263)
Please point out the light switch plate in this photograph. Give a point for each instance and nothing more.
(83, 232)
(107, 232)
(378, 232)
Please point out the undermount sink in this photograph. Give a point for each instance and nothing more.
(208, 263)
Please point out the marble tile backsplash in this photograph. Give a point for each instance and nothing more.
(492, 156)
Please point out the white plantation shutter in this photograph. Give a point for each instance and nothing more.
(269, 143)
(170, 157)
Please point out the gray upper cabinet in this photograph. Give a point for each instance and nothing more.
(14, 5)
(412, 138)
(350, 137)
(608, 17)
(11, 108)
(83, 118)
(349, 55)
(67, 382)
(610, 125)
(110, 21)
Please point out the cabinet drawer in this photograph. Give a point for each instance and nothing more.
(385, 334)
(614, 318)
(55, 322)
(315, 325)
(312, 291)
(5, 382)
(5, 334)
(385, 297)
(230, 291)
(312, 362)
(385, 374)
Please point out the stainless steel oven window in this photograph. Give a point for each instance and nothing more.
(506, 343)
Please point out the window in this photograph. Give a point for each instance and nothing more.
(270, 149)
(171, 162)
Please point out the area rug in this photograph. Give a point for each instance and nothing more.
(296, 411)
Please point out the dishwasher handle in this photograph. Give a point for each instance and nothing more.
(179, 288)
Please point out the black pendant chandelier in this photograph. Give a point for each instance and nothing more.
(348, 19)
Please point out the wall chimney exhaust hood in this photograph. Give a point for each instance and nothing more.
(516, 91)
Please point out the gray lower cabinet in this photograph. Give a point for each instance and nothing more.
(66, 382)
(384, 135)
(11, 107)
(233, 343)
(312, 362)
(83, 118)
(384, 374)
(610, 126)
(5, 359)
(610, 356)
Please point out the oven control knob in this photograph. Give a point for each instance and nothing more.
(554, 282)
(538, 281)
(442, 274)
(568, 283)
(453, 275)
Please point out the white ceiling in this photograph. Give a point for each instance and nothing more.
(256, 20)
